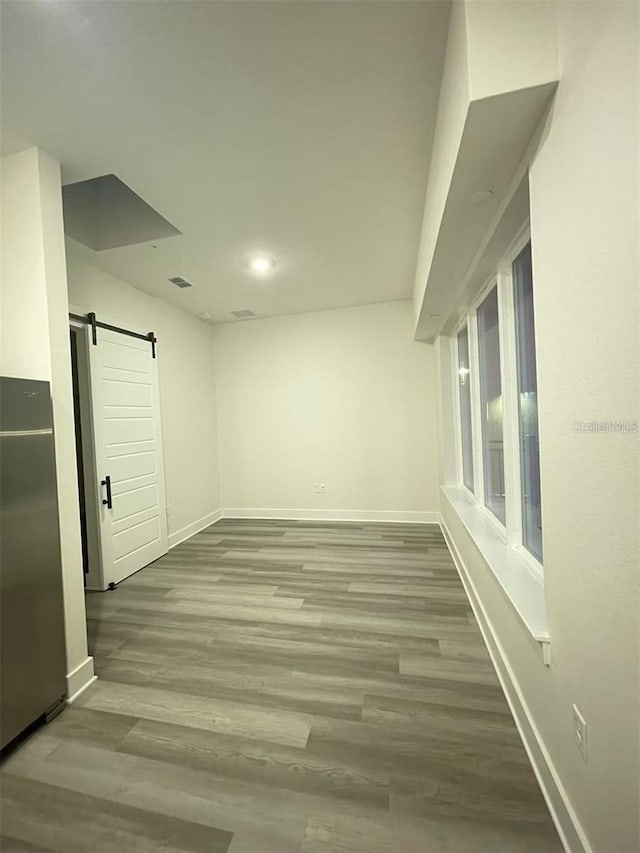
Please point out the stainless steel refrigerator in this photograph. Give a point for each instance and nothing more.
(32, 653)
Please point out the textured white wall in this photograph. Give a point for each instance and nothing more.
(584, 222)
(187, 385)
(343, 397)
(493, 47)
(510, 45)
(452, 114)
(24, 326)
(35, 345)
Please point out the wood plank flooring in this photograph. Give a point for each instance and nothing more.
(283, 687)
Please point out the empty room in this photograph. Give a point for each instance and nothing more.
(319, 444)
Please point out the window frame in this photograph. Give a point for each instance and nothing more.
(492, 284)
(501, 278)
(458, 414)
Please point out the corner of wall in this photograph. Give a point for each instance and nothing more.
(79, 679)
(61, 391)
(216, 402)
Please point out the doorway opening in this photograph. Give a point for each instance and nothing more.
(75, 380)
(85, 465)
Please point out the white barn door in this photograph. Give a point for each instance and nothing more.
(128, 451)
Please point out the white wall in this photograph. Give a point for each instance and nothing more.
(187, 387)
(493, 47)
(584, 223)
(452, 114)
(511, 45)
(35, 345)
(24, 341)
(342, 397)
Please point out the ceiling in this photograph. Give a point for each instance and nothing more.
(299, 129)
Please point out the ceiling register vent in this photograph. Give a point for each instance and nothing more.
(180, 282)
(244, 313)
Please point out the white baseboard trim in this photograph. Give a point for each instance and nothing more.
(191, 529)
(571, 833)
(79, 679)
(364, 515)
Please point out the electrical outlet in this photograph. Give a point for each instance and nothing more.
(320, 488)
(580, 732)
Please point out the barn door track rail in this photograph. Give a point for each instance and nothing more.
(90, 320)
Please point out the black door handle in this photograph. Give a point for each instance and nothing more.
(107, 482)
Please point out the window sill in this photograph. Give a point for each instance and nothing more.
(522, 587)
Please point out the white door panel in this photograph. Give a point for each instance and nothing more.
(131, 448)
(134, 501)
(133, 521)
(126, 358)
(125, 486)
(123, 392)
(129, 544)
(133, 412)
(130, 466)
(123, 430)
(128, 448)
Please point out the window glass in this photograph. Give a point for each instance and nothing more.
(491, 405)
(528, 403)
(464, 385)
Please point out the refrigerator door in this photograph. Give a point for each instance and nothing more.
(32, 652)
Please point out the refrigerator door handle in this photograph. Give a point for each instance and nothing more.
(107, 482)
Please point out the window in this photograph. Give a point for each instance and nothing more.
(527, 403)
(464, 385)
(497, 390)
(491, 405)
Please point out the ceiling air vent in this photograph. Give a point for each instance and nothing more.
(180, 282)
(244, 313)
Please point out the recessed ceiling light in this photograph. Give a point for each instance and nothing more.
(481, 196)
(261, 264)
